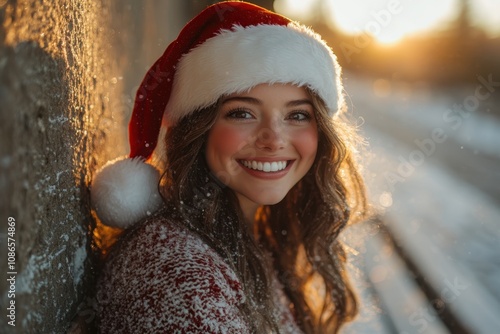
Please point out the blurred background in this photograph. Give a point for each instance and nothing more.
(422, 80)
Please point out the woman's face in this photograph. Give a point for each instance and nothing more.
(263, 142)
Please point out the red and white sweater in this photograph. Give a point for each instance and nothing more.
(163, 278)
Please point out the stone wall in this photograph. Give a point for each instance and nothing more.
(57, 84)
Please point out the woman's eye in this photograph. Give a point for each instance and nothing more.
(299, 116)
(239, 114)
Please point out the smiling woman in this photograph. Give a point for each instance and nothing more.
(258, 179)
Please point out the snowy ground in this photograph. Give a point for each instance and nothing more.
(433, 169)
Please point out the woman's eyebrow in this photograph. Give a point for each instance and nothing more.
(253, 100)
(295, 103)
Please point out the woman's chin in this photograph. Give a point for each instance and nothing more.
(269, 199)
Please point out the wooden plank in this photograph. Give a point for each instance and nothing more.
(405, 304)
(461, 293)
(371, 318)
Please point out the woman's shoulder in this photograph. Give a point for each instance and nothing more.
(165, 276)
(166, 243)
(159, 234)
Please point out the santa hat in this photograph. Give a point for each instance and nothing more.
(230, 47)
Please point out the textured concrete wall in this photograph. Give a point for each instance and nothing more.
(58, 81)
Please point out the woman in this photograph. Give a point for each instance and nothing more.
(258, 180)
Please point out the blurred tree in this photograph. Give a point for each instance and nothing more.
(463, 25)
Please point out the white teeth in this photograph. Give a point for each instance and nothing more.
(265, 166)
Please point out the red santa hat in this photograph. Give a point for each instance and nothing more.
(230, 47)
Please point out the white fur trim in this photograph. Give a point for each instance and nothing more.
(125, 191)
(236, 60)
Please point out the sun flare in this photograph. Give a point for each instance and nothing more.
(387, 21)
(390, 37)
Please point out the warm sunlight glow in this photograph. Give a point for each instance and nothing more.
(390, 37)
(485, 15)
(299, 9)
(388, 21)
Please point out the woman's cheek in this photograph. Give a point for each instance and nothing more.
(306, 142)
(225, 143)
(228, 139)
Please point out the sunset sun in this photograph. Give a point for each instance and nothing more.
(387, 21)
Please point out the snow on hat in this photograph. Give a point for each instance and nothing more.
(230, 47)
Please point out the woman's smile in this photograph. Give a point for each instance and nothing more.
(266, 166)
(267, 170)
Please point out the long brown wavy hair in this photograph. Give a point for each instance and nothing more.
(296, 238)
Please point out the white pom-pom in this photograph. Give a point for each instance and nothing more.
(125, 191)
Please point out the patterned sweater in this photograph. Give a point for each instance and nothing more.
(162, 278)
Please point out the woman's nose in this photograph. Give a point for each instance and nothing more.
(270, 137)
